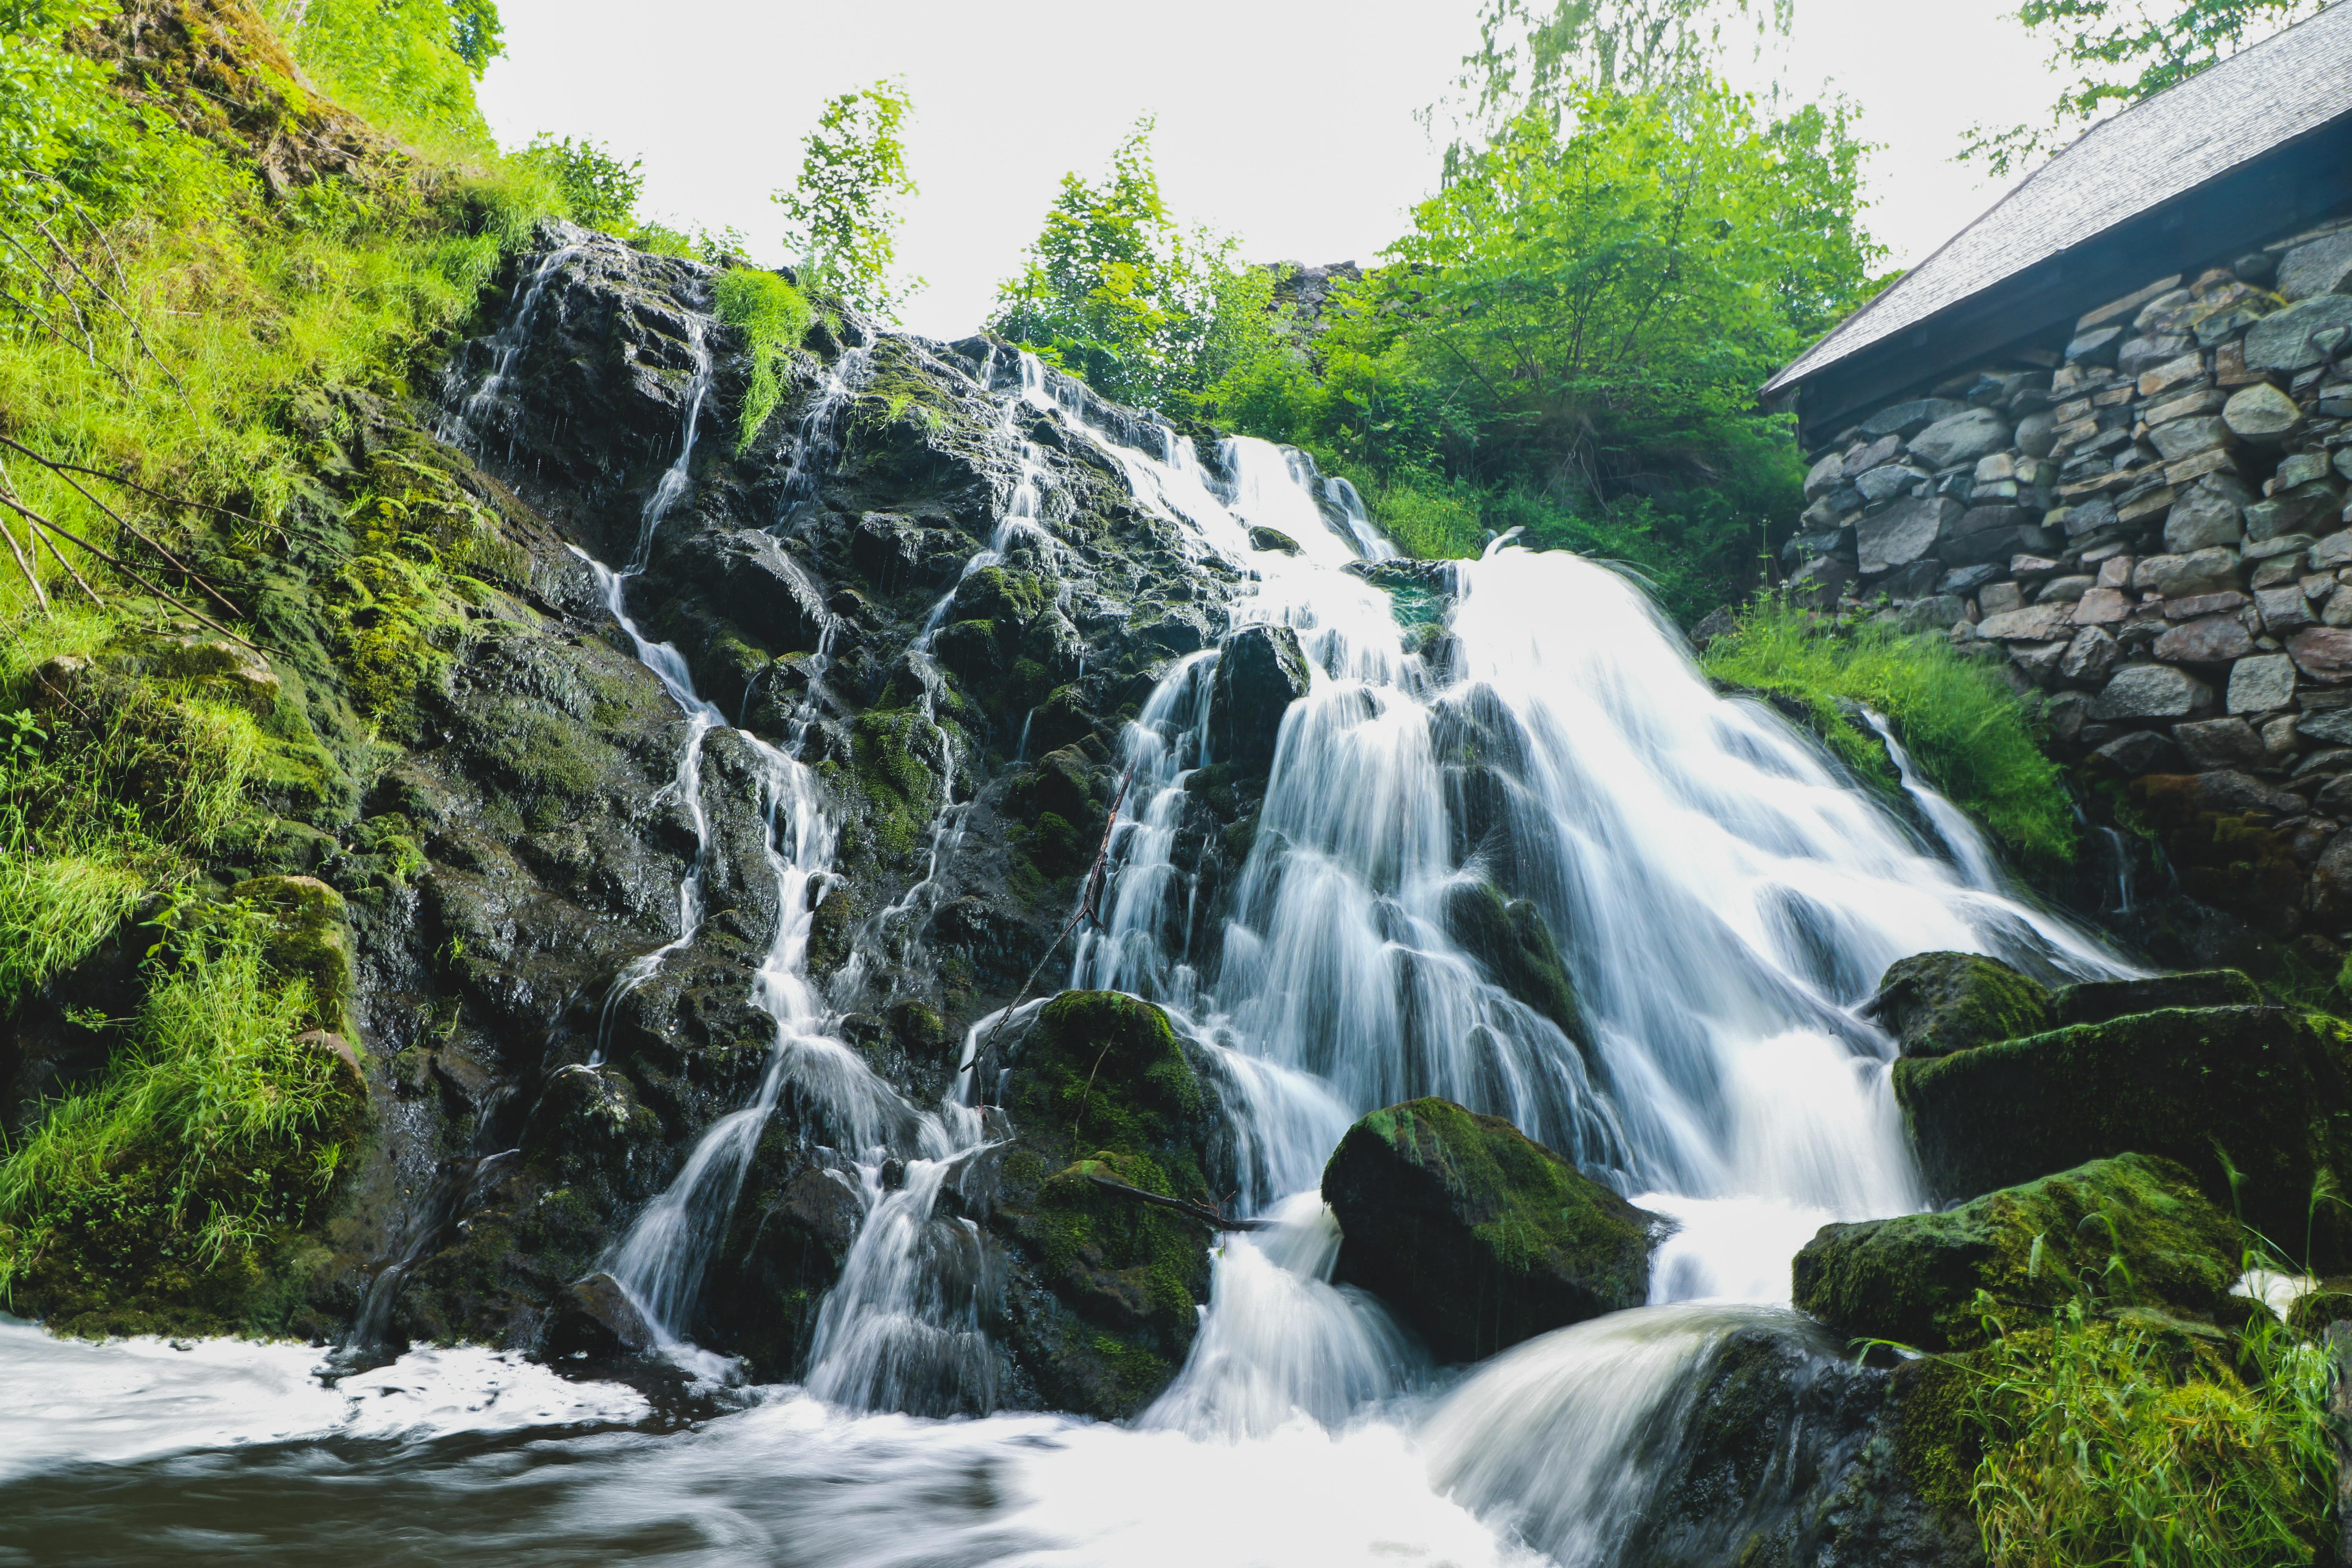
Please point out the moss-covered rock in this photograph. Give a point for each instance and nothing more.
(2096, 1001)
(1509, 936)
(1938, 1002)
(2265, 1091)
(308, 936)
(1104, 1099)
(1915, 1278)
(1478, 1235)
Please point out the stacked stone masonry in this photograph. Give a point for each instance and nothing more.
(2144, 522)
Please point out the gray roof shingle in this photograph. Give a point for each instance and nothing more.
(2291, 83)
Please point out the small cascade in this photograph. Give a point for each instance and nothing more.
(459, 425)
(903, 1329)
(817, 436)
(1561, 1440)
(1969, 849)
(661, 1261)
(1284, 1341)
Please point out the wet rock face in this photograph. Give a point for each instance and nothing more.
(1478, 1235)
(1260, 673)
(1108, 1284)
(1915, 1278)
(528, 1106)
(2267, 1089)
(1785, 1453)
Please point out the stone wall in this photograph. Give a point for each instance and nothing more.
(2144, 522)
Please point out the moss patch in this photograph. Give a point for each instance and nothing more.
(2135, 1228)
(2267, 1090)
(1938, 1002)
(1479, 1236)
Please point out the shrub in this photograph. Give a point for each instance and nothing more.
(773, 317)
(599, 190)
(1966, 731)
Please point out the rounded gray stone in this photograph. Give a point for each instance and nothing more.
(2261, 682)
(2262, 413)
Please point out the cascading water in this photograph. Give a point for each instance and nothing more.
(1721, 895)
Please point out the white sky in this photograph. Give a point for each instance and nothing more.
(1289, 123)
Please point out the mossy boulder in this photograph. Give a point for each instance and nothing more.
(2096, 1001)
(1915, 1278)
(1478, 1235)
(1260, 673)
(2266, 1089)
(1938, 1002)
(1104, 1099)
(308, 936)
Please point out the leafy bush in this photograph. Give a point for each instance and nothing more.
(1965, 730)
(409, 65)
(773, 317)
(843, 224)
(1114, 290)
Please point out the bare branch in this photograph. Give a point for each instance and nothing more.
(130, 572)
(60, 469)
(27, 567)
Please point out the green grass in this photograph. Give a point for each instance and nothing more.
(211, 1124)
(54, 909)
(2109, 1442)
(773, 317)
(228, 346)
(1965, 730)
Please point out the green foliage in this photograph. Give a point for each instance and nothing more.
(1531, 57)
(599, 190)
(211, 1090)
(1570, 340)
(2119, 1442)
(1114, 289)
(54, 909)
(773, 317)
(476, 34)
(842, 223)
(407, 65)
(1965, 730)
(2126, 50)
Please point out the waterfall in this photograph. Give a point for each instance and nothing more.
(1721, 895)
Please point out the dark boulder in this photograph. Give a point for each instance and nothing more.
(1260, 673)
(1915, 1278)
(1938, 1002)
(1478, 1235)
(2262, 1094)
(1511, 939)
(1107, 1105)
(593, 1319)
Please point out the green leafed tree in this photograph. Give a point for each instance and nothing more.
(842, 215)
(1535, 56)
(598, 188)
(1117, 291)
(1571, 338)
(2125, 51)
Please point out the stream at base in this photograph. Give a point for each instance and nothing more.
(1722, 896)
